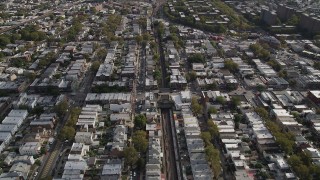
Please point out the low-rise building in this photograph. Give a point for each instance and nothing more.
(74, 170)
(119, 138)
(112, 170)
(11, 128)
(17, 171)
(84, 137)
(30, 148)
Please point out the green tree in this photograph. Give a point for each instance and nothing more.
(285, 143)
(153, 46)
(140, 142)
(191, 76)
(195, 106)
(206, 136)
(67, 133)
(130, 156)
(315, 169)
(15, 36)
(140, 121)
(316, 65)
(260, 87)
(141, 164)
(142, 22)
(282, 74)
(57, 76)
(139, 39)
(157, 74)
(95, 66)
(221, 100)
(43, 150)
(235, 101)
(4, 40)
(263, 113)
(306, 158)
(196, 58)
(230, 65)
(260, 50)
(34, 36)
(213, 157)
(37, 162)
(173, 29)
(293, 21)
(212, 110)
(275, 65)
(156, 57)
(74, 114)
(212, 86)
(38, 110)
(159, 26)
(213, 129)
(292, 82)
(146, 36)
(31, 76)
(61, 108)
(101, 54)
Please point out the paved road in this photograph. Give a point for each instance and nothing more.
(164, 82)
(134, 90)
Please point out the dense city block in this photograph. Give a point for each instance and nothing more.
(154, 90)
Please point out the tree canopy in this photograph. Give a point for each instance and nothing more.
(32, 33)
(61, 108)
(275, 65)
(263, 113)
(142, 22)
(284, 139)
(212, 110)
(130, 156)
(159, 26)
(95, 66)
(67, 133)
(101, 54)
(221, 100)
(140, 142)
(260, 51)
(196, 58)
(206, 136)
(302, 165)
(195, 106)
(293, 20)
(191, 76)
(213, 129)
(235, 101)
(230, 65)
(140, 121)
(213, 157)
(316, 65)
